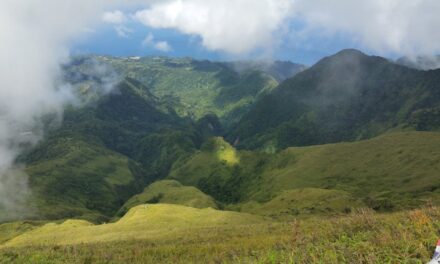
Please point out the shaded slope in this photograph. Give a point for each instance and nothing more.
(81, 179)
(347, 96)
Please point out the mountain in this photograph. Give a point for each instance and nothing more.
(193, 88)
(344, 97)
(105, 152)
(423, 63)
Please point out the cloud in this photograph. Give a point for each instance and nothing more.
(404, 27)
(163, 46)
(242, 26)
(239, 26)
(118, 19)
(114, 17)
(159, 45)
(123, 31)
(34, 42)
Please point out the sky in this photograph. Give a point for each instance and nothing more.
(302, 31)
(129, 40)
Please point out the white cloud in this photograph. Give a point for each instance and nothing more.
(163, 46)
(33, 45)
(123, 31)
(114, 17)
(241, 26)
(159, 45)
(237, 26)
(405, 27)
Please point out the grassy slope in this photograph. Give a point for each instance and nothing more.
(77, 178)
(393, 171)
(141, 222)
(170, 192)
(361, 237)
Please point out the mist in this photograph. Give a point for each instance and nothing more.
(34, 36)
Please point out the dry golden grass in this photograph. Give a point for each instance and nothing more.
(361, 237)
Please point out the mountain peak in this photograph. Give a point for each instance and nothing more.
(350, 52)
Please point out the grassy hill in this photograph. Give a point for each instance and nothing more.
(347, 96)
(169, 192)
(141, 222)
(171, 233)
(391, 172)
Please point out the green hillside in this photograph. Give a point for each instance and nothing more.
(170, 192)
(80, 179)
(391, 172)
(193, 88)
(348, 96)
(105, 152)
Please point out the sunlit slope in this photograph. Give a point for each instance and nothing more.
(14, 229)
(161, 221)
(390, 172)
(360, 237)
(170, 192)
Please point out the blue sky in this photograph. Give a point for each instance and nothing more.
(104, 40)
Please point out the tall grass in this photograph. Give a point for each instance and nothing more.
(361, 237)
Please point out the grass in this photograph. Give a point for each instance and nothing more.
(360, 237)
(160, 221)
(394, 171)
(170, 192)
(300, 202)
(77, 178)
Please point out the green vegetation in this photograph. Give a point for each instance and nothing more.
(345, 97)
(170, 192)
(165, 234)
(195, 88)
(392, 172)
(106, 152)
(77, 178)
(325, 168)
